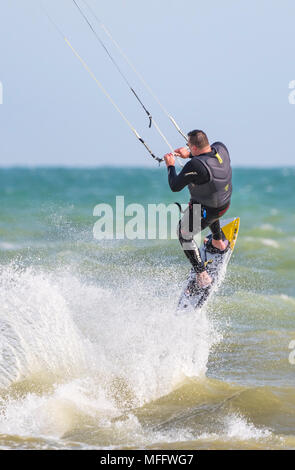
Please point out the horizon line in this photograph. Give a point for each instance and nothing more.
(143, 167)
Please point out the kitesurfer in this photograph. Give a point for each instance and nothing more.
(208, 175)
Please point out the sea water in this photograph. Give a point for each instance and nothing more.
(92, 354)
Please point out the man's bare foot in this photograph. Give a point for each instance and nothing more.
(203, 279)
(220, 244)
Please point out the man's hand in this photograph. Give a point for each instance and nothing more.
(182, 152)
(169, 159)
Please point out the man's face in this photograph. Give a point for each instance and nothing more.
(192, 147)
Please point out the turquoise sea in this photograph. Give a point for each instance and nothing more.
(91, 352)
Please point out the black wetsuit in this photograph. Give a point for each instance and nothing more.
(197, 173)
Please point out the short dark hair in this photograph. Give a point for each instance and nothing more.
(198, 138)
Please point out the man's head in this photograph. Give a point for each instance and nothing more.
(198, 142)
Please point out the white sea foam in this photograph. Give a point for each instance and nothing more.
(6, 246)
(270, 242)
(263, 241)
(270, 228)
(56, 413)
(37, 333)
(102, 350)
(237, 427)
(287, 298)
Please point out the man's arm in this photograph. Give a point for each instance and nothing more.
(193, 172)
(186, 176)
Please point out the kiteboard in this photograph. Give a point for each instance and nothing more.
(194, 297)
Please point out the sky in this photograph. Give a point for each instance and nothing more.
(221, 66)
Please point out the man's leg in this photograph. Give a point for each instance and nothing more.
(218, 239)
(191, 224)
